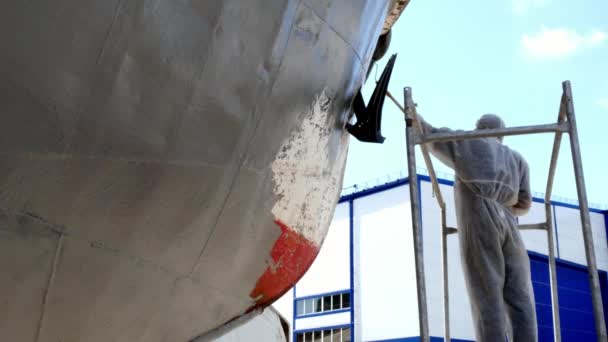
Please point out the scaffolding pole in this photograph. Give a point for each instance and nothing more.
(416, 223)
(557, 333)
(594, 281)
(566, 123)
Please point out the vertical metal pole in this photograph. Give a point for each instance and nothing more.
(598, 310)
(445, 269)
(351, 227)
(415, 205)
(557, 334)
(441, 203)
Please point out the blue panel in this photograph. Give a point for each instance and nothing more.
(540, 271)
(575, 300)
(576, 320)
(573, 278)
(577, 336)
(545, 333)
(576, 311)
(417, 339)
(543, 315)
(542, 293)
(604, 287)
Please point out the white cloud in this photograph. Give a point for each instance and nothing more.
(597, 37)
(521, 7)
(559, 42)
(603, 102)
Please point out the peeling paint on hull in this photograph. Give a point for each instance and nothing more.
(306, 174)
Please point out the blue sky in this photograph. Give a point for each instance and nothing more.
(509, 57)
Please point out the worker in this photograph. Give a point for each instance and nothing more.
(492, 188)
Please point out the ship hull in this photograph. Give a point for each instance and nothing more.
(168, 165)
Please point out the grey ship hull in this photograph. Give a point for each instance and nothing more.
(168, 165)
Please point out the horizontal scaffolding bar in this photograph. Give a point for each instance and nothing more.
(451, 230)
(485, 133)
(539, 226)
(533, 226)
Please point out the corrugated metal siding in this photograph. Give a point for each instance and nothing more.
(576, 311)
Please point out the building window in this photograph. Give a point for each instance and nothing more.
(323, 303)
(325, 335)
(336, 302)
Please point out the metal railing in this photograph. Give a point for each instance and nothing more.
(566, 123)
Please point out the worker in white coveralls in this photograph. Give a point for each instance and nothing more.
(492, 188)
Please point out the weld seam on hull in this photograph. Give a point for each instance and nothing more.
(49, 285)
(336, 32)
(109, 34)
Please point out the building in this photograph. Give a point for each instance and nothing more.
(362, 286)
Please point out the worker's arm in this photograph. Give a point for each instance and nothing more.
(444, 151)
(524, 198)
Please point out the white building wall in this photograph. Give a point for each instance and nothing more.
(330, 271)
(330, 320)
(600, 240)
(266, 326)
(537, 240)
(385, 301)
(461, 323)
(284, 306)
(385, 287)
(570, 236)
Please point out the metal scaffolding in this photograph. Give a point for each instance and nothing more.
(566, 123)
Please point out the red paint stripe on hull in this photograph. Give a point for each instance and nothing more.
(291, 256)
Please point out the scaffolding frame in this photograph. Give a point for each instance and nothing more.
(566, 123)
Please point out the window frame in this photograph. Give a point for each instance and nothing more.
(308, 334)
(310, 304)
